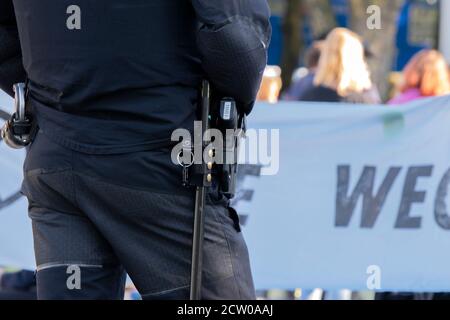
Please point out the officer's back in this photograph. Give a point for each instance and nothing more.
(110, 66)
(131, 67)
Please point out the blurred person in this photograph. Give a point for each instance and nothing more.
(342, 74)
(425, 75)
(271, 85)
(303, 78)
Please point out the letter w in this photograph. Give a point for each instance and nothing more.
(372, 205)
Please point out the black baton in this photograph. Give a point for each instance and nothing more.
(200, 194)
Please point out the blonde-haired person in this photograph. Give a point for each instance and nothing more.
(343, 74)
(425, 75)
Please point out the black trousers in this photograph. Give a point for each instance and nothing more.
(97, 217)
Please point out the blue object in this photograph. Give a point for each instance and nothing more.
(276, 44)
(406, 49)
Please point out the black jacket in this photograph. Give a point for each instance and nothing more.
(130, 74)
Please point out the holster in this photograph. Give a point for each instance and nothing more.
(225, 117)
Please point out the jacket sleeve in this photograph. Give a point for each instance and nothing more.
(11, 67)
(233, 39)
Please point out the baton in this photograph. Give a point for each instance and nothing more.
(200, 195)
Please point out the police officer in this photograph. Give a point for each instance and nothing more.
(108, 81)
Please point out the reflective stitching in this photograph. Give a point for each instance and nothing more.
(57, 265)
(163, 292)
(206, 284)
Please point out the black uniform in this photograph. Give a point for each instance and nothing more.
(103, 193)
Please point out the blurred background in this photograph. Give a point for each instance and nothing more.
(407, 27)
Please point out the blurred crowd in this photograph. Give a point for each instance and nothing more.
(336, 70)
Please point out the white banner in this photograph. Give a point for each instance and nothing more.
(360, 200)
(357, 198)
